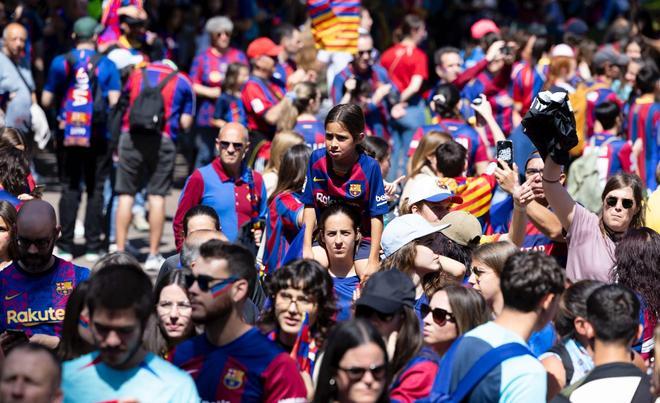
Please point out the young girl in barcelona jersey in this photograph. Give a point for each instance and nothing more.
(343, 172)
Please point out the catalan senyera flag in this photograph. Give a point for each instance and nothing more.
(300, 350)
(335, 24)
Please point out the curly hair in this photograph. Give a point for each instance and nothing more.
(638, 265)
(527, 277)
(313, 280)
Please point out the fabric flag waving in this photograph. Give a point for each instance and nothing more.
(335, 24)
(301, 348)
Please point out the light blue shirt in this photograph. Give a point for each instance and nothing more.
(88, 380)
(518, 379)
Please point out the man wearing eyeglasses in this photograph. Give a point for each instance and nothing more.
(232, 361)
(36, 287)
(236, 192)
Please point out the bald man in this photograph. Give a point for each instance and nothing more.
(16, 78)
(34, 289)
(236, 193)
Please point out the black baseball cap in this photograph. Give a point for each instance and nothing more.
(387, 292)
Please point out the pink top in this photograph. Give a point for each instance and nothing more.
(590, 253)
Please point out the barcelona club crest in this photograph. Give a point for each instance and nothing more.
(64, 287)
(233, 378)
(355, 189)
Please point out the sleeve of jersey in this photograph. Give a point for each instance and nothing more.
(263, 200)
(220, 108)
(307, 197)
(112, 79)
(337, 90)
(282, 381)
(191, 195)
(187, 97)
(415, 383)
(187, 391)
(377, 199)
(254, 100)
(290, 210)
(56, 75)
(528, 387)
(626, 158)
(196, 70)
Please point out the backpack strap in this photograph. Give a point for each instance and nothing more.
(565, 358)
(162, 84)
(167, 80)
(484, 365)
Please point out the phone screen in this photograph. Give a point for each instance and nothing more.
(505, 152)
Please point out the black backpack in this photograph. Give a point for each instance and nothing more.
(100, 105)
(147, 114)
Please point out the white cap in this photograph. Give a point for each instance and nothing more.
(123, 58)
(405, 229)
(562, 50)
(428, 188)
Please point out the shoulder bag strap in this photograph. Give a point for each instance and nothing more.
(29, 87)
(484, 365)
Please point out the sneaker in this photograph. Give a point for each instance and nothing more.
(63, 255)
(154, 262)
(140, 223)
(92, 257)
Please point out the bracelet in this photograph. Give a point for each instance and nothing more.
(548, 180)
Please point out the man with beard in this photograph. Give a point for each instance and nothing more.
(120, 301)
(232, 361)
(35, 288)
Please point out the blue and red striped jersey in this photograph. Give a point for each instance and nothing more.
(281, 228)
(313, 131)
(178, 96)
(501, 101)
(344, 289)
(209, 69)
(614, 157)
(230, 108)
(258, 96)
(415, 380)
(528, 80)
(644, 124)
(235, 201)
(462, 132)
(35, 303)
(282, 72)
(249, 369)
(598, 93)
(362, 188)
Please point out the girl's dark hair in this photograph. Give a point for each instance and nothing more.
(8, 214)
(623, 180)
(573, 303)
(638, 265)
(646, 77)
(376, 147)
(293, 169)
(345, 336)
(350, 116)
(314, 281)
(230, 82)
(409, 340)
(411, 23)
(198, 210)
(10, 138)
(468, 306)
(71, 344)
(495, 254)
(305, 93)
(14, 170)
(337, 208)
(154, 338)
(445, 100)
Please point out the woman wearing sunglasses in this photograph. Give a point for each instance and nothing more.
(355, 365)
(592, 237)
(340, 236)
(451, 312)
(387, 301)
(302, 297)
(172, 323)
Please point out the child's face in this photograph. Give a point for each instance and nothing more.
(243, 75)
(339, 142)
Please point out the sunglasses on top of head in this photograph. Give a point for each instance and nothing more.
(626, 203)
(440, 316)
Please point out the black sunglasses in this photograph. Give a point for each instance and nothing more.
(626, 203)
(440, 316)
(365, 52)
(203, 281)
(39, 243)
(237, 146)
(357, 373)
(367, 312)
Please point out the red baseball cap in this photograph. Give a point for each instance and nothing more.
(483, 27)
(263, 47)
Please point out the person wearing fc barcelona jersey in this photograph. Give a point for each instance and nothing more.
(263, 98)
(36, 286)
(644, 125)
(154, 154)
(307, 102)
(75, 77)
(342, 172)
(208, 73)
(120, 301)
(232, 361)
(285, 211)
(614, 152)
(236, 192)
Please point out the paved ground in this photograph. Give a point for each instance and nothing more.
(46, 167)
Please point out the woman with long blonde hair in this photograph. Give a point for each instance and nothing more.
(282, 141)
(423, 160)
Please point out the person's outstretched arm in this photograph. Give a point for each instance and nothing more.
(561, 202)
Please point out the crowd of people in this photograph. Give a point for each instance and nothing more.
(385, 201)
